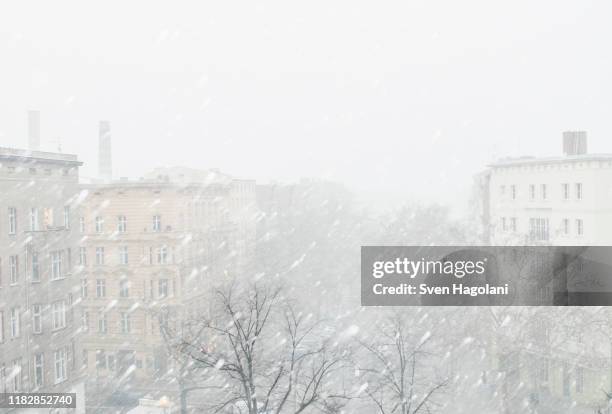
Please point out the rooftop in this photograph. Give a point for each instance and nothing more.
(509, 162)
(124, 184)
(169, 177)
(38, 156)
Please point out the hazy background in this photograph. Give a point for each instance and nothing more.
(401, 99)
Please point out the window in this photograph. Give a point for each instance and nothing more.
(513, 191)
(578, 191)
(121, 224)
(15, 322)
(99, 224)
(56, 265)
(124, 288)
(83, 256)
(579, 265)
(123, 255)
(102, 325)
(579, 379)
(99, 255)
(579, 227)
(539, 264)
(565, 191)
(32, 171)
(566, 228)
(33, 219)
(85, 321)
(162, 255)
(58, 312)
(48, 217)
(84, 288)
(544, 370)
(59, 358)
(503, 224)
(82, 224)
(17, 375)
(502, 190)
(67, 217)
(544, 191)
(35, 268)
(100, 288)
(162, 288)
(532, 192)
(100, 358)
(47, 171)
(566, 380)
(126, 325)
(12, 213)
(513, 224)
(1, 333)
(110, 362)
(14, 269)
(538, 229)
(37, 326)
(39, 370)
(0, 272)
(156, 223)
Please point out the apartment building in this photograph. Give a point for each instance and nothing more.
(564, 367)
(39, 197)
(153, 250)
(554, 201)
(562, 200)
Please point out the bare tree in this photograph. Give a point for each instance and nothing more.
(395, 369)
(183, 370)
(266, 356)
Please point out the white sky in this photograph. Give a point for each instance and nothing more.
(405, 98)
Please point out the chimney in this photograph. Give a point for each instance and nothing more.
(105, 163)
(33, 130)
(574, 143)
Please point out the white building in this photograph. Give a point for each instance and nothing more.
(563, 200)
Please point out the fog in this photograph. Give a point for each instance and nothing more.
(376, 95)
(207, 294)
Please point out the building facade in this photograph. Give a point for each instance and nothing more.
(553, 201)
(561, 201)
(151, 252)
(38, 346)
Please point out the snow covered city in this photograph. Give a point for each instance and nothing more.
(348, 207)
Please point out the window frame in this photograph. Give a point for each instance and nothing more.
(58, 315)
(57, 259)
(12, 216)
(37, 318)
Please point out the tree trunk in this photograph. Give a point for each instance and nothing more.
(183, 397)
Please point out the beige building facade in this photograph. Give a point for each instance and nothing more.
(149, 249)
